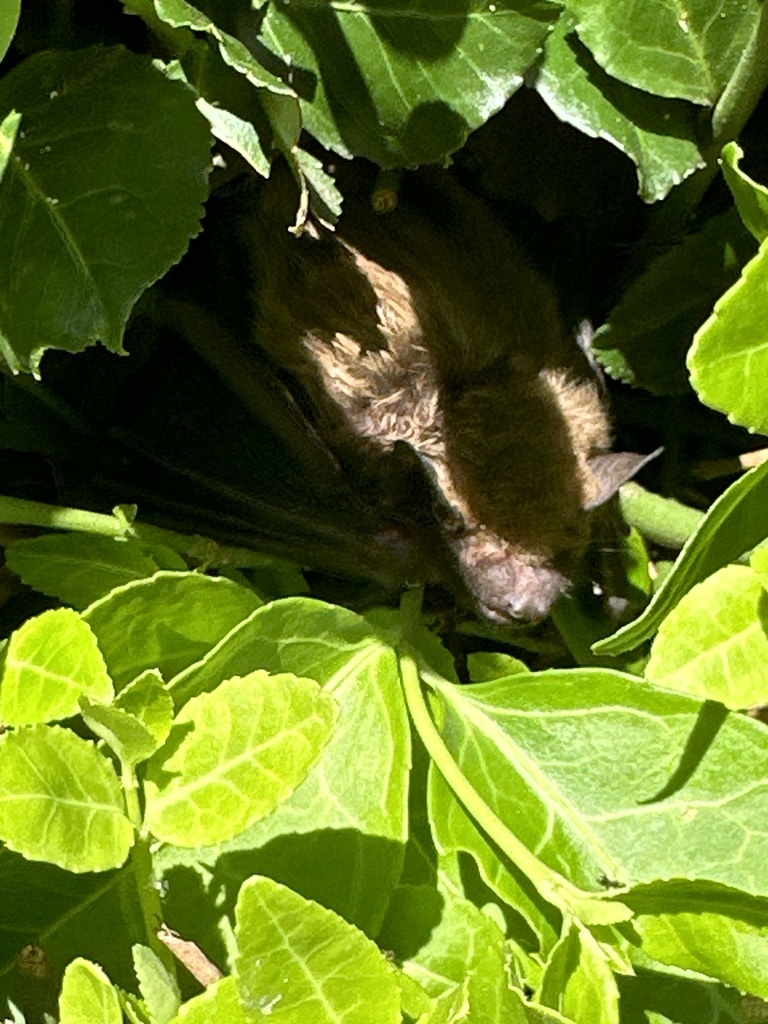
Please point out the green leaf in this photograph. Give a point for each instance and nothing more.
(658, 135)
(728, 360)
(716, 931)
(179, 13)
(60, 801)
(751, 199)
(672, 998)
(100, 198)
(352, 812)
(157, 985)
(404, 87)
(237, 133)
(734, 524)
(233, 755)
(649, 332)
(714, 643)
(80, 568)
(443, 941)
(147, 700)
(542, 754)
(688, 50)
(9, 128)
(166, 622)
(9, 17)
(219, 1004)
(299, 962)
(485, 665)
(88, 996)
(51, 661)
(124, 734)
(578, 979)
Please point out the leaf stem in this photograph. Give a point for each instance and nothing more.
(552, 886)
(204, 550)
(142, 866)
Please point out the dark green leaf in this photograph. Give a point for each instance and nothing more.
(659, 135)
(404, 87)
(101, 195)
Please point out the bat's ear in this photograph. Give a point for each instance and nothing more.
(610, 471)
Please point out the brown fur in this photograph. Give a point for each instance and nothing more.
(428, 326)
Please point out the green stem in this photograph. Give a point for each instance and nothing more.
(662, 520)
(20, 512)
(144, 873)
(552, 886)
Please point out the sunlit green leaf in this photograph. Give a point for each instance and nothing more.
(88, 996)
(668, 48)
(147, 700)
(60, 801)
(578, 980)
(541, 753)
(750, 197)
(728, 360)
(158, 987)
(51, 661)
(298, 961)
(233, 755)
(714, 643)
(123, 734)
(219, 1004)
(733, 524)
(707, 928)
(9, 16)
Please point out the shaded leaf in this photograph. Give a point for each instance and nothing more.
(399, 87)
(166, 622)
(657, 134)
(233, 755)
(79, 568)
(671, 49)
(50, 662)
(179, 13)
(101, 195)
(649, 332)
(713, 644)
(88, 996)
(299, 961)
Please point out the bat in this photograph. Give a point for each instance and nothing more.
(424, 361)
